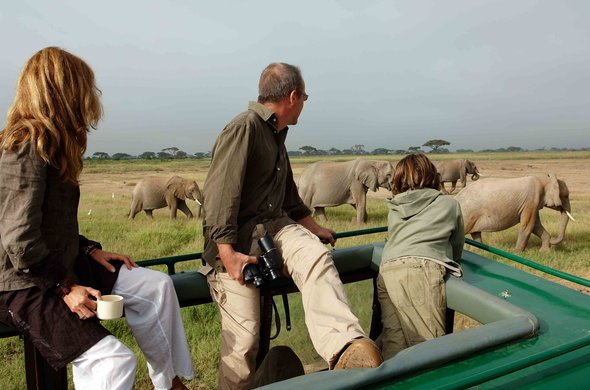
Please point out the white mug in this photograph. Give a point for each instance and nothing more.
(109, 307)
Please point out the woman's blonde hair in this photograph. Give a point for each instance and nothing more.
(56, 104)
(414, 172)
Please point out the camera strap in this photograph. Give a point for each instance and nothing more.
(277, 320)
(287, 311)
(278, 317)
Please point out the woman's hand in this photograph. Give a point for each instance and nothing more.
(79, 302)
(104, 257)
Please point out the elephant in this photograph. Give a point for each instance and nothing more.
(492, 205)
(326, 184)
(453, 170)
(156, 192)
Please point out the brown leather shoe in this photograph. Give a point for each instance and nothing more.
(177, 384)
(361, 353)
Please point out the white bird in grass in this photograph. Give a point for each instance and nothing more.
(113, 196)
(89, 211)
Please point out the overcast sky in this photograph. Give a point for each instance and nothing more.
(479, 74)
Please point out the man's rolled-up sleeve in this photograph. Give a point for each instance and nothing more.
(224, 183)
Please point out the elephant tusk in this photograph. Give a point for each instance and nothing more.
(200, 204)
(570, 216)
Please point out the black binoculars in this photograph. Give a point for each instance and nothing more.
(269, 264)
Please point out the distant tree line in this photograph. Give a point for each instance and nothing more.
(165, 154)
(436, 147)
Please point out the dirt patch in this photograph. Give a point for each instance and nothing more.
(573, 171)
(575, 286)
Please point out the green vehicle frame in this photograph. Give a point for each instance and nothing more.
(534, 333)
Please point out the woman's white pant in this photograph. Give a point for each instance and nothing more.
(153, 314)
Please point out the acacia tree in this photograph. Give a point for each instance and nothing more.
(147, 155)
(308, 149)
(358, 149)
(122, 156)
(171, 150)
(100, 155)
(436, 144)
(381, 151)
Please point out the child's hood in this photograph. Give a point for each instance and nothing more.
(412, 202)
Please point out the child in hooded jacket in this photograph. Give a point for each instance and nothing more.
(425, 242)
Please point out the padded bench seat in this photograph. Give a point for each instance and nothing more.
(192, 289)
(353, 264)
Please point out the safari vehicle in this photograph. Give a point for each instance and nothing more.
(533, 333)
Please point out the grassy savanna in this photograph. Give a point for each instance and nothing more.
(106, 196)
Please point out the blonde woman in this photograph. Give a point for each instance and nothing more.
(426, 237)
(50, 276)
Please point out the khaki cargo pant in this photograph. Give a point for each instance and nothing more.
(329, 319)
(412, 295)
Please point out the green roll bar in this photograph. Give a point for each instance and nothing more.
(171, 261)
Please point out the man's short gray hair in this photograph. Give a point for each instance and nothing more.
(277, 81)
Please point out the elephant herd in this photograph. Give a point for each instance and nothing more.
(488, 205)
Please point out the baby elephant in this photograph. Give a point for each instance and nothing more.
(156, 192)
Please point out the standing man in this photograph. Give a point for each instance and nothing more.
(249, 191)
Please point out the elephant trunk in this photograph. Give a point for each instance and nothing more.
(563, 221)
(475, 175)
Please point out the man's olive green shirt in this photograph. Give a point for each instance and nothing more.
(250, 181)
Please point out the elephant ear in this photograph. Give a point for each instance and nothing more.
(552, 198)
(367, 174)
(177, 187)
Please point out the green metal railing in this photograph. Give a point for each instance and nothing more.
(171, 261)
(530, 263)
